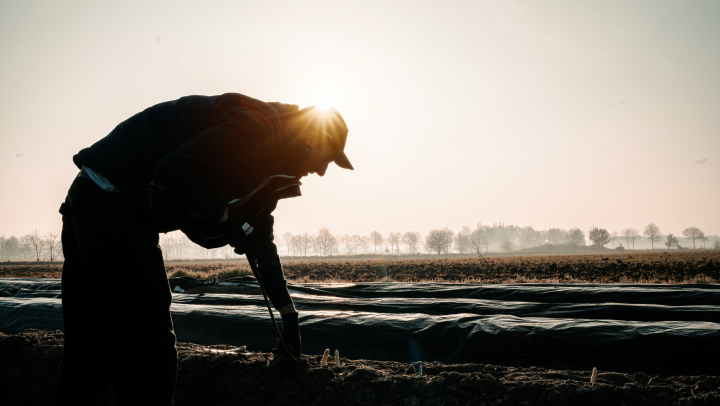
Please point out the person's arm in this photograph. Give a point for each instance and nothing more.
(270, 267)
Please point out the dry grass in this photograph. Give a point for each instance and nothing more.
(672, 267)
(225, 272)
(633, 267)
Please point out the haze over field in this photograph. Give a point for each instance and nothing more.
(544, 114)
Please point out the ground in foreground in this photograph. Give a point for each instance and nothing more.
(29, 361)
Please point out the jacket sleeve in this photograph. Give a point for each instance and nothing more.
(187, 172)
(270, 268)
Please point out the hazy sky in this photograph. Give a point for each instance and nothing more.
(542, 113)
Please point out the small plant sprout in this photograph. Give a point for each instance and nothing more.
(337, 358)
(593, 377)
(325, 358)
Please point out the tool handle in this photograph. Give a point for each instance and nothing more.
(253, 254)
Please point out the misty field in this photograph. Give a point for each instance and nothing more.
(696, 266)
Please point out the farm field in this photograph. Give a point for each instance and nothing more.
(673, 267)
(678, 317)
(30, 360)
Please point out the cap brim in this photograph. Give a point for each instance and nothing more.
(342, 161)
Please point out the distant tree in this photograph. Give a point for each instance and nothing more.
(599, 236)
(671, 241)
(613, 237)
(365, 243)
(438, 241)
(393, 240)
(356, 241)
(377, 239)
(576, 237)
(716, 244)
(507, 246)
(448, 240)
(462, 240)
(630, 234)
(304, 242)
(411, 240)
(704, 239)
(555, 236)
(478, 239)
(336, 241)
(51, 242)
(287, 240)
(348, 241)
(635, 234)
(529, 237)
(36, 240)
(652, 233)
(324, 241)
(693, 233)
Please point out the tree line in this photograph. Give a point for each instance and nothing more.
(34, 246)
(39, 246)
(481, 239)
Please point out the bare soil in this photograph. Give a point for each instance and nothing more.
(29, 362)
(687, 266)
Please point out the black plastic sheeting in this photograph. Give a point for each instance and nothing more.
(461, 324)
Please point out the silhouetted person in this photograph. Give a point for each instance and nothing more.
(204, 153)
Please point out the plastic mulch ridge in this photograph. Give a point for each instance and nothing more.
(612, 327)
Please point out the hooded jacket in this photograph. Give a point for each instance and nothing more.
(206, 151)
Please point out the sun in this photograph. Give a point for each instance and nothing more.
(324, 105)
(324, 102)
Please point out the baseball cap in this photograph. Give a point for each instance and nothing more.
(332, 131)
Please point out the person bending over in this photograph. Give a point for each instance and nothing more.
(200, 164)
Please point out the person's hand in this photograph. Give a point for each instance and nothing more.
(290, 334)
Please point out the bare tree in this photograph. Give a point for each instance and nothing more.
(356, 241)
(36, 241)
(336, 241)
(324, 241)
(52, 243)
(478, 240)
(599, 236)
(287, 240)
(393, 240)
(652, 233)
(365, 243)
(377, 239)
(671, 241)
(411, 239)
(576, 237)
(630, 234)
(693, 233)
(462, 240)
(302, 243)
(438, 241)
(350, 243)
(635, 234)
(613, 237)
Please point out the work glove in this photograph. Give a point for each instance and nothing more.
(290, 334)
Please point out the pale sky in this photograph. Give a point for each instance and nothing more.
(542, 113)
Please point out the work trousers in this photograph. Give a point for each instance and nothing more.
(116, 303)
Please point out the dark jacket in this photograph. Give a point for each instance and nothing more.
(206, 151)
